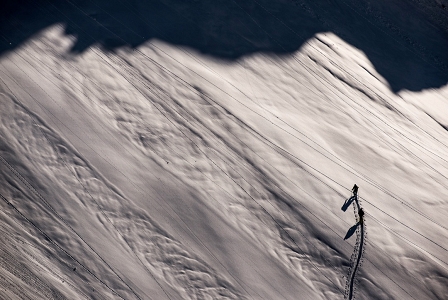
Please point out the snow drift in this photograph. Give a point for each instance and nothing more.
(161, 170)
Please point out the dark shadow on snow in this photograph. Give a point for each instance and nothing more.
(351, 231)
(347, 203)
(406, 44)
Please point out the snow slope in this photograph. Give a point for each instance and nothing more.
(163, 172)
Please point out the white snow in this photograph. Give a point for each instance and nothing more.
(158, 172)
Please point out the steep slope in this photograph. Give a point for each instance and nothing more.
(161, 173)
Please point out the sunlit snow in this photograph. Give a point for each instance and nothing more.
(162, 172)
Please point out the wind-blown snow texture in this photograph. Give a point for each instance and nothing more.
(161, 170)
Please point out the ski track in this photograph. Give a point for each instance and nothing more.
(161, 254)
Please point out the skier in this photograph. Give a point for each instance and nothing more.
(355, 190)
(361, 215)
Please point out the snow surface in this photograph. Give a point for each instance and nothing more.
(162, 171)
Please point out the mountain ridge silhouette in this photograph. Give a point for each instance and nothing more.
(407, 46)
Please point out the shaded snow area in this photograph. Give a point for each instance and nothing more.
(162, 171)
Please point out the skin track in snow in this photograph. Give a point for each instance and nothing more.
(360, 244)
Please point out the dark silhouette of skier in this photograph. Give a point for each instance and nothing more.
(355, 190)
(361, 215)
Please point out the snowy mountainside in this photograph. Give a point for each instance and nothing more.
(159, 172)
